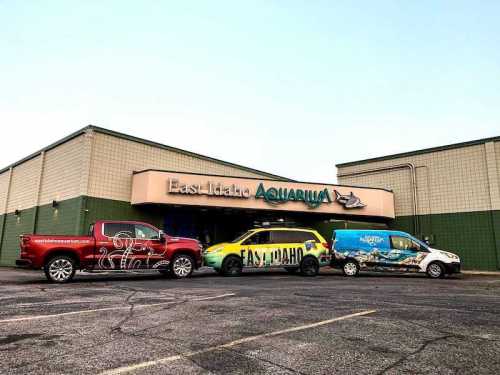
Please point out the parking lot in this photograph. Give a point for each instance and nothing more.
(262, 322)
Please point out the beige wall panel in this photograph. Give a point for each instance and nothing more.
(397, 180)
(497, 154)
(493, 175)
(457, 180)
(62, 171)
(24, 186)
(114, 159)
(4, 186)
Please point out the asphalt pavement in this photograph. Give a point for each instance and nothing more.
(260, 323)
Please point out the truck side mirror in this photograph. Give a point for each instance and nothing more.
(161, 236)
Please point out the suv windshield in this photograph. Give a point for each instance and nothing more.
(239, 238)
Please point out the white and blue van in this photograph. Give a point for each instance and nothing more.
(387, 250)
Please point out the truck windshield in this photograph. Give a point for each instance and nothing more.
(239, 238)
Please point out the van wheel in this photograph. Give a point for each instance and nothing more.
(435, 270)
(291, 269)
(232, 266)
(350, 268)
(60, 269)
(309, 266)
(182, 266)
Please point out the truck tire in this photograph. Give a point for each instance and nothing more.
(60, 269)
(309, 266)
(182, 266)
(350, 268)
(435, 270)
(232, 266)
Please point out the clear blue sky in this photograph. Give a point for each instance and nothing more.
(291, 87)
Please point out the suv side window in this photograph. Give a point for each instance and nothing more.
(280, 236)
(404, 243)
(259, 238)
(112, 229)
(291, 236)
(305, 236)
(144, 232)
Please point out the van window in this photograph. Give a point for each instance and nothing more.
(404, 243)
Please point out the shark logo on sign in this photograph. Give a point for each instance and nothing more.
(348, 200)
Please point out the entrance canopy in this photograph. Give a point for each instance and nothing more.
(190, 189)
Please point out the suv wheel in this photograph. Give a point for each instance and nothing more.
(309, 266)
(232, 266)
(60, 269)
(350, 268)
(182, 266)
(435, 270)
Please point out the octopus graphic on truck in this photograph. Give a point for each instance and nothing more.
(111, 246)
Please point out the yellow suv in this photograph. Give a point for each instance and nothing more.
(292, 248)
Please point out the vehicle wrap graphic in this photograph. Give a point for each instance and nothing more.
(269, 256)
(128, 253)
(375, 251)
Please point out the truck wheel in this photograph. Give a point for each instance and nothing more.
(291, 269)
(60, 269)
(232, 266)
(182, 266)
(350, 268)
(309, 266)
(435, 270)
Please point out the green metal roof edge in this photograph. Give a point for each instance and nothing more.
(419, 152)
(113, 133)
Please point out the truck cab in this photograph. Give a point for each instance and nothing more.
(110, 246)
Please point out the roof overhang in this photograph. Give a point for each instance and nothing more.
(190, 189)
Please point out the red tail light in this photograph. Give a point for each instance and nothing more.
(24, 239)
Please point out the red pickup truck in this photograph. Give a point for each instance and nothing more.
(110, 246)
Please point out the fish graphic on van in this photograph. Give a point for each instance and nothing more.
(348, 200)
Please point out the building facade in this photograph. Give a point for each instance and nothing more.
(97, 174)
(449, 195)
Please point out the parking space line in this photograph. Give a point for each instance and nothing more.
(165, 360)
(38, 317)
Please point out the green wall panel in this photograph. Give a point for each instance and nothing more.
(15, 226)
(469, 234)
(107, 209)
(60, 220)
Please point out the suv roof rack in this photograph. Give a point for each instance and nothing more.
(278, 224)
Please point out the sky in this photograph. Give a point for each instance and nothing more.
(288, 87)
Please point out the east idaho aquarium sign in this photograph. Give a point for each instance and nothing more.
(217, 189)
(312, 198)
(271, 195)
(191, 189)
